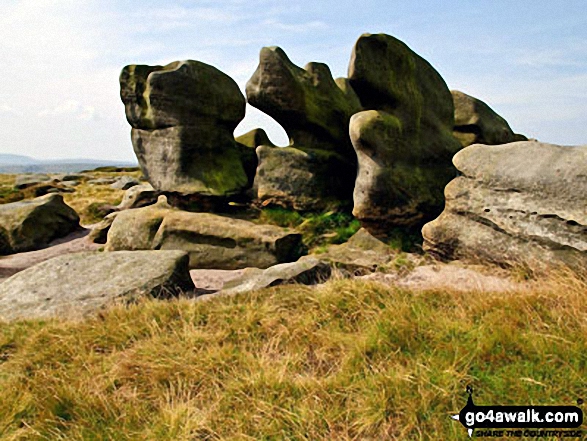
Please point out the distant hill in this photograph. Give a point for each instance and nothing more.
(10, 163)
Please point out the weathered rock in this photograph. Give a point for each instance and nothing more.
(315, 112)
(308, 103)
(361, 254)
(404, 144)
(306, 271)
(477, 123)
(99, 232)
(305, 179)
(102, 181)
(183, 117)
(52, 289)
(31, 224)
(254, 139)
(213, 241)
(70, 177)
(519, 203)
(24, 181)
(124, 183)
(138, 196)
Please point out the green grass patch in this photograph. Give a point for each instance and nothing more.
(348, 360)
(318, 229)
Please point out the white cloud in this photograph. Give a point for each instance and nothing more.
(295, 27)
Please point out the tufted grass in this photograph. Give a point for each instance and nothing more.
(348, 360)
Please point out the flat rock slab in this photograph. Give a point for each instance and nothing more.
(76, 285)
(523, 203)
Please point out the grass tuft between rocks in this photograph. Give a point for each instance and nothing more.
(346, 360)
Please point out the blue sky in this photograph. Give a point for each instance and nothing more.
(61, 59)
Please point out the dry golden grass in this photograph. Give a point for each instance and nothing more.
(84, 200)
(348, 360)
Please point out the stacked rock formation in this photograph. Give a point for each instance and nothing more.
(381, 139)
(183, 116)
(314, 111)
(403, 140)
(519, 203)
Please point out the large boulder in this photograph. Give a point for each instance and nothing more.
(302, 179)
(183, 117)
(519, 203)
(75, 285)
(404, 142)
(31, 224)
(213, 242)
(477, 123)
(314, 110)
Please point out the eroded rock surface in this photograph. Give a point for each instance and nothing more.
(31, 224)
(183, 117)
(52, 289)
(314, 110)
(404, 142)
(477, 123)
(523, 202)
(214, 242)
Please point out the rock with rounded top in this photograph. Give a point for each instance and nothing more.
(183, 117)
(314, 110)
(477, 123)
(31, 224)
(52, 289)
(404, 143)
(518, 203)
(254, 139)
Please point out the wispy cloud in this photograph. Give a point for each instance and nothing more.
(71, 108)
(295, 27)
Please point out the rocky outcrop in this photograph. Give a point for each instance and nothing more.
(302, 179)
(183, 117)
(314, 111)
(404, 142)
(31, 224)
(477, 123)
(212, 241)
(52, 289)
(519, 203)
